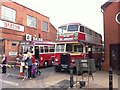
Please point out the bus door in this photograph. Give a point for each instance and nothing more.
(37, 56)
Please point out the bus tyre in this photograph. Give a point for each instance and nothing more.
(45, 64)
(57, 69)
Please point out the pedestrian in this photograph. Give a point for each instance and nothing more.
(90, 55)
(4, 62)
(23, 60)
(29, 62)
(99, 61)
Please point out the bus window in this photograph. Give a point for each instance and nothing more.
(60, 48)
(72, 28)
(69, 47)
(52, 49)
(78, 48)
(81, 28)
(41, 50)
(46, 48)
(86, 50)
(62, 29)
(31, 49)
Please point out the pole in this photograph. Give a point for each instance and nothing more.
(71, 77)
(110, 79)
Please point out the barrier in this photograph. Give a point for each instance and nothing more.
(21, 73)
(85, 68)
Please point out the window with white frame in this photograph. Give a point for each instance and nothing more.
(8, 14)
(44, 26)
(31, 21)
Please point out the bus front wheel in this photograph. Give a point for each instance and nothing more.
(45, 64)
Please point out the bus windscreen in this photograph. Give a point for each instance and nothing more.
(73, 28)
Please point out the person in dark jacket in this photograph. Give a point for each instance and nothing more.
(90, 55)
(29, 62)
(4, 62)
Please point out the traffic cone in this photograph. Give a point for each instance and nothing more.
(21, 71)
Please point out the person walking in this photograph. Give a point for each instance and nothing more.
(24, 60)
(4, 62)
(29, 62)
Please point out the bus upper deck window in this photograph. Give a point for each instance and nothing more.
(72, 28)
(82, 28)
(62, 29)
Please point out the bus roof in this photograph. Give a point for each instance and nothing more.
(80, 41)
(43, 43)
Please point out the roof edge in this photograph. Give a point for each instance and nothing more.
(28, 8)
(109, 2)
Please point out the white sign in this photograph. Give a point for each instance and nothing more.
(13, 53)
(12, 26)
(28, 37)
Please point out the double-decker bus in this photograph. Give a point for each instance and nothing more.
(78, 40)
(43, 51)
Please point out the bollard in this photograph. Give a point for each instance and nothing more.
(21, 70)
(110, 79)
(71, 77)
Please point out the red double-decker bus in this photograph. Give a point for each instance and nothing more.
(77, 40)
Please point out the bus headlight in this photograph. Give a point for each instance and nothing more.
(72, 60)
(41, 58)
(56, 59)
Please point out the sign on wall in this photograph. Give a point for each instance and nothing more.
(28, 37)
(12, 26)
(13, 53)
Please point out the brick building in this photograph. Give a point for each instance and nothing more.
(111, 16)
(19, 23)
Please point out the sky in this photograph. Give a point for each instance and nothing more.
(86, 12)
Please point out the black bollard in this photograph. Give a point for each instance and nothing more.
(71, 77)
(110, 79)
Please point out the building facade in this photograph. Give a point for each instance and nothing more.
(111, 16)
(19, 23)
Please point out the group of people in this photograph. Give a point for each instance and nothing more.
(33, 66)
(27, 59)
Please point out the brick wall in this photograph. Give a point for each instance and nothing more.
(13, 36)
(111, 30)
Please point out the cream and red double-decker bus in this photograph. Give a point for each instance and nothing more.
(77, 40)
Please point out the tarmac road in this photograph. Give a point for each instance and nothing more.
(51, 79)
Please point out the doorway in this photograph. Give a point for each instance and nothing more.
(114, 55)
(37, 52)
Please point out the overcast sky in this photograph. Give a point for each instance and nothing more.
(86, 12)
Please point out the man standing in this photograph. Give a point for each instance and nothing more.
(4, 61)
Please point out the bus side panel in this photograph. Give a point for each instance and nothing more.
(48, 57)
